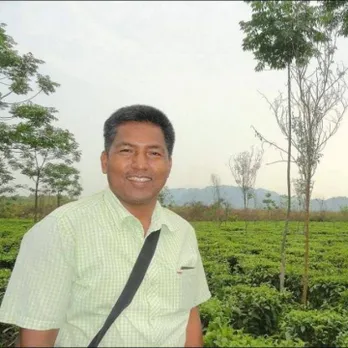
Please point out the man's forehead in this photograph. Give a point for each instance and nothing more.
(135, 131)
(138, 124)
(136, 142)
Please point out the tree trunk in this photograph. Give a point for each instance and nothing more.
(245, 203)
(58, 199)
(36, 199)
(286, 226)
(306, 254)
(245, 193)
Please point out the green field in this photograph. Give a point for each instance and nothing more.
(243, 274)
(242, 268)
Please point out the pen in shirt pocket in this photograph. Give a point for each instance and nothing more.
(183, 268)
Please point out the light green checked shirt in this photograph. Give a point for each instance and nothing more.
(73, 265)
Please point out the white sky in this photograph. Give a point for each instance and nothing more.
(184, 58)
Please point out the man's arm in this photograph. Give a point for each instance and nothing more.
(38, 292)
(36, 338)
(194, 335)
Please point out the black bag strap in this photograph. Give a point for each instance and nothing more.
(132, 285)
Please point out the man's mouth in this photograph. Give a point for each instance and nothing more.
(139, 178)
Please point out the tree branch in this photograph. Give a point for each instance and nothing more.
(6, 95)
(280, 161)
(263, 139)
(26, 100)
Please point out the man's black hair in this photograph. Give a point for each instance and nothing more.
(138, 113)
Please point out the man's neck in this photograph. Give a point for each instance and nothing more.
(143, 213)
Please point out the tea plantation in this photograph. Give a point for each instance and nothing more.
(247, 309)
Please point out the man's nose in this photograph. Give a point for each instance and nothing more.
(140, 161)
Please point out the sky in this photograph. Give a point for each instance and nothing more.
(186, 59)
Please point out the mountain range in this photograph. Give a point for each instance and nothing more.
(233, 195)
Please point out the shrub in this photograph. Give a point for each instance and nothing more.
(4, 277)
(257, 310)
(315, 328)
(8, 333)
(342, 339)
(260, 271)
(211, 310)
(217, 276)
(343, 301)
(325, 291)
(220, 334)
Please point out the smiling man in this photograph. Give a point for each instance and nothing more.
(73, 265)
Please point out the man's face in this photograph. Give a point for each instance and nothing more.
(138, 164)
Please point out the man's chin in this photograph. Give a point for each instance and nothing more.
(136, 198)
(140, 200)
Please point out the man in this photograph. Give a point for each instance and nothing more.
(73, 264)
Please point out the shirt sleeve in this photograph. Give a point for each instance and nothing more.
(38, 291)
(203, 292)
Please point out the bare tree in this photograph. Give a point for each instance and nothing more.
(322, 208)
(322, 204)
(319, 104)
(300, 193)
(218, 201)
(244, 167)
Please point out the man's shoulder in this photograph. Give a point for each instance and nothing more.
(82, 207)
(176, 221)
(67, 220)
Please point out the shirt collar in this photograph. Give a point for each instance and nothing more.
(159, 216)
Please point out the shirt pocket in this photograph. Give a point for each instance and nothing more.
(188, 288)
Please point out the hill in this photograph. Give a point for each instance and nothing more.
(232, 194)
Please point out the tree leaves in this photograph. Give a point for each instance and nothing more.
(31, 141)
(60, 179)
(19, 73)
(336, 14)
(280, 32)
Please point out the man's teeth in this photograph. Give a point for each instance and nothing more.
(139, 179)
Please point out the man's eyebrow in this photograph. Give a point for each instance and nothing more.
(155, 146)
(124, 143)
(152, 146)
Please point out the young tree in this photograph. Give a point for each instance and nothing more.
(280, 33)
(319, 104)
(269, 203)
(244, 167)
(36, 143)
(322, 208)
(61, 179)
(300, 193)
(218, 201)
(20, 81)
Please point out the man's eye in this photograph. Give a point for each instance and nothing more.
(154, 153)
(125, 150)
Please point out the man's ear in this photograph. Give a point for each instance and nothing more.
(104, 161)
